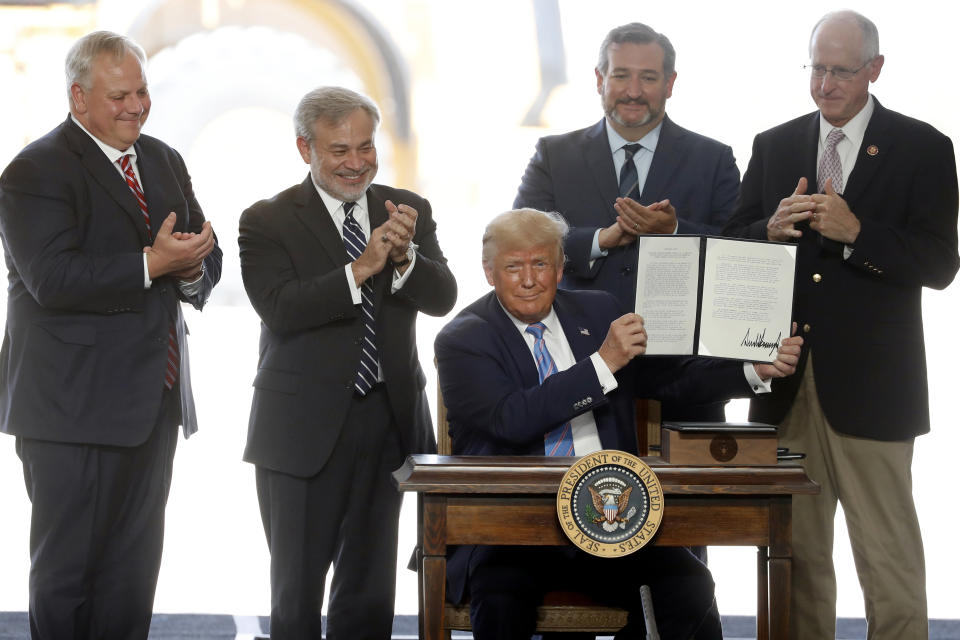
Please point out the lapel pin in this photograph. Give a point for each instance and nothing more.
(584, 332)
(872, 150)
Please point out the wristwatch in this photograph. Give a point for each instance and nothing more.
(406, 259)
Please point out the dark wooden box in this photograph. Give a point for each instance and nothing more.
(719, 443)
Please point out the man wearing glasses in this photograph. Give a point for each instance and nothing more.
(870, 198)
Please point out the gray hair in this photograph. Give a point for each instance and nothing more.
(521, 229)
(871, 37)
(83, 53)
(639, 34)
(330, 105)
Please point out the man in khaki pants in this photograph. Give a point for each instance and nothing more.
(870, 198)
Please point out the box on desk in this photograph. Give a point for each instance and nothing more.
(719, 443)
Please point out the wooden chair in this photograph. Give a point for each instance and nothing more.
(561, 611)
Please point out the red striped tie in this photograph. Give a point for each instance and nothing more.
(173, 353)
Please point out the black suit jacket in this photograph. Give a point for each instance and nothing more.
(496, 405)
(573, 174)
(862, 316)
(292, 259)
(85, 346)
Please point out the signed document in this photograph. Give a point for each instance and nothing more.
(719, 297)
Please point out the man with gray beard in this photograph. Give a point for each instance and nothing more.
(338, 397)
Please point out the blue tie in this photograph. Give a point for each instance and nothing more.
(629, 180)
(355, 242)
(558, 442)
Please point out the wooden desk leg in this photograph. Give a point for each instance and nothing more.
(763, 585)
(433, 567)
(434, 583)
(780, 566)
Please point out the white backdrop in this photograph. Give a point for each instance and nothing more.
(474, 73)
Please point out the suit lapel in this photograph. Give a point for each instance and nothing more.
(377, 211)
(809, 141)
(666, 160)
(313, 214)
(576, 328)
(876, 139)
(97, 165)
(599, 161)
(158, 186)
(514, 344)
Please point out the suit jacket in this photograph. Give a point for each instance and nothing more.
(509, 413)
(573, 174)
(292, 258)
(85, 346)
(862, 316)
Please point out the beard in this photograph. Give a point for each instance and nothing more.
(341, 192)
(651, 114)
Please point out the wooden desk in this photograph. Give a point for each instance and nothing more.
(470, 500)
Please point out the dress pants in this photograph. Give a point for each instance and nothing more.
(96, 532)
(506, 584)
(346, 515)
(872, 480)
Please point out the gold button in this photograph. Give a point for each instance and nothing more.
(806, 328)
(817, 277)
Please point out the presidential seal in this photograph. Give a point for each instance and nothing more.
(610, 503)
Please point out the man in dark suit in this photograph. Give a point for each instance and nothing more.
(880, 225)
(598, 177)
(103, 239)
(588, 399)
(339, 393)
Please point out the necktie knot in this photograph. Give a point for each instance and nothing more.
(631, 150)
(348, 209)
(834, 138)
(536, 330)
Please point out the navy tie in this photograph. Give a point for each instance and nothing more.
(558, 442)
(355, 242)
(629, 180)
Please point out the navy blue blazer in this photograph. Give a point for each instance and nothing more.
(496, 406)
(85, 346)
(573, 175)
(862, 316)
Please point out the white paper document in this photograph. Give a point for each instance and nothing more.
(720, 297)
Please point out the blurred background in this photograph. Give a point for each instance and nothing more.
(466, 89)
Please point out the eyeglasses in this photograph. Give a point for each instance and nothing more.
(840, 73)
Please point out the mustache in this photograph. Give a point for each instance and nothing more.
(636, 101)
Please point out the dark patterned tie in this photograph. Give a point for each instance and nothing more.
(355, 242)
(629, 180)
(173, 351)
(558, 442)
(830, 166)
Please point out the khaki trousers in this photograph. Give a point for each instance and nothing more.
(872, 480)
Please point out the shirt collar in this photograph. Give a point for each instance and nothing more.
(335, 205)
(112, 154)
(551, 321)
(855, 128)
(648, 141)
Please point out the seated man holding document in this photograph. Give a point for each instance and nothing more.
(530, 370)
